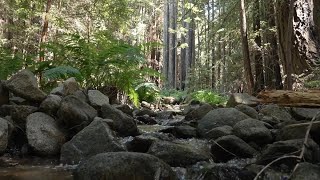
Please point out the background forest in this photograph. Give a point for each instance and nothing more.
(188, 45)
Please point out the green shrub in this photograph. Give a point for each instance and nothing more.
(209, 96)
(177, 94)
(148, 92)
(312, 84)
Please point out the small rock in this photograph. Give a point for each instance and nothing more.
(164, 115)
(146, 119)
(96, 138)
(124, 166)
(51, 104)
(145, 111)
(236, 148)
(24, 84)
(43, 134)
(252, 130)
(185, 131)
(70, 86)
(15, 100)
(169, 100)
(242, 98)
(57, 91)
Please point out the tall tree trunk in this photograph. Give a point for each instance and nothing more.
(183, 66)
(213, 60)
(166, 51)
(273, 79)
(245, 48)
(172, 45)
(258, 61)
(44, 32)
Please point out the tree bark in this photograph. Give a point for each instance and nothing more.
(245, 49)
(45, 27)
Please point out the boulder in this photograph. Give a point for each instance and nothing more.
(124, 165)
(219, 132)
(298, 131)
(165, 115)
(252, 130)
(292, 147)
(219, 117)
(242, 98)
(82, 95)
(278, 113)
(123, 123)
(178, 154)
(145, 119)
(198, 113)
(51, 104)
(4, 135)
(15, 100)
(75, 113)
(124, 108)
(96, 138)
(57, 90)
(306, 171)
(97, 99)
(70, 86)
(24, 84)
(143, 142)
(4, 94)
(185, 131)
(43, 134)
(19, 114)
(250, 111)
(228, 147)
(304, 113)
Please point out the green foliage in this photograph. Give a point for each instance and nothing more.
(208, 96)
(9, 63)
(312, 84)
(177, 94)
(102, 61)
(61, 72)
(148, 92)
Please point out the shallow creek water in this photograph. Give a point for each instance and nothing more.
(33, 168)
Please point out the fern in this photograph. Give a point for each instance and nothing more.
(61, 72)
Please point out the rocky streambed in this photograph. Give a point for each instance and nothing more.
(73, 133)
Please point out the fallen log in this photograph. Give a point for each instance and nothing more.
(310, 98)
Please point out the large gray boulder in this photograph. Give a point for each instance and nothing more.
(43, 134)
(75, 113)
(25, 84)
(292, 147)
(219, 132)
(123, 123)
(278, 113)
(229, 147)
(124, 165)
(219, 117)
(96, 138)
(4, 135)
(253, 130)
(306, 171)
(178, 154)
(51, 104)
(97, 99)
